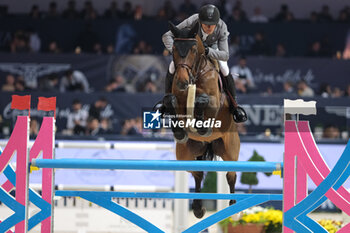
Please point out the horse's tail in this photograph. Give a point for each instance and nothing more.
(208, 155)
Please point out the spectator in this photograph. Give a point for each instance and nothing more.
(187, 8)
(142, 48)
(150, 86)
(280, 50)
(288, 88)
(110, 49)
(33, 128)
(347, 91)
(268, 91)
(88, 13)
(343, 17)
(112, 12)
(284, 15)
(52, 12)
(88, 39)
(168, 10)
(326, 48)
(260, 45)
(325, 16)
(127, 12)
(97, 48)
(315, 50)
(70, 12)
(337, 92)
(20, 43)
(239, 8)
(10, 83)
(53, 47)
(331, 132)
(224, 8)
(314, 17)
(234, 46)
(20, 84)
(34, 41)
(97, 108)
(74, 81)
(76, 120)
(105, 126)
(258, 17)
(93, 126)
(243, 76)
(34, 12)
(325, 90)
(116, 84)
(50, 83)
(237, 15)
(304, 90)
(130, 127)
(138, 13)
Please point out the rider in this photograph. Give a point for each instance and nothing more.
(214, 35)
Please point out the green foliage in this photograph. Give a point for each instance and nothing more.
(250, 178)
(209, 185)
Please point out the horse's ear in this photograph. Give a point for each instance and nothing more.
(194, 30)
(173, 29)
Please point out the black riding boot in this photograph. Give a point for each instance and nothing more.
(168, 84)
(238, 113)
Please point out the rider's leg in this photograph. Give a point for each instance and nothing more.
(169, 78)
(238, 112)
(168, 85)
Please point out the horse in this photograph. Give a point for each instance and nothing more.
(207, 102)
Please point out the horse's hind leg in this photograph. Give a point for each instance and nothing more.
(231, 178)
(232, 146)
(197, 207)
(189, 151)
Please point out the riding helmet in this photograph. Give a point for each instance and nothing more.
(209, 14)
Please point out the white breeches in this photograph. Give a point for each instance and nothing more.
(222, 65)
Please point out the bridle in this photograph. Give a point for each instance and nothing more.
(189, 67)
(192, 69)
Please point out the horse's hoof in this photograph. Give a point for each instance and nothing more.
(181, 137)
(205, 132)
(199, 213)
(232, 202)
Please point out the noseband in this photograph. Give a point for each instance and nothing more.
(188, 67)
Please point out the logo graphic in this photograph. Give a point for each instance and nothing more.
(31, 71)
(151, 120)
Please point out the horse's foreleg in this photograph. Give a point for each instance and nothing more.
(197, 207)
(201, 103)
(231, 180)
(179, 133)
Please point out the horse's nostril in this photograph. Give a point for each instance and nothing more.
(182, 85)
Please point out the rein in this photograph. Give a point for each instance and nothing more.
(194, 74)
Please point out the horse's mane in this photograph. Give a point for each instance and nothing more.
(200, 45)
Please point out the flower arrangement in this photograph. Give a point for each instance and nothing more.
(269, 219)
(330, 225)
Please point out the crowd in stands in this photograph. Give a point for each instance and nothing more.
(95, 119)
(230, 10)
(27, 40)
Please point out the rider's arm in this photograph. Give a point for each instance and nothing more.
(222, 53)
(168, 37)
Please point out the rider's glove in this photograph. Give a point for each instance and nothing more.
(206, 48)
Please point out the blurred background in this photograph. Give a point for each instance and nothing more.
(105, 62)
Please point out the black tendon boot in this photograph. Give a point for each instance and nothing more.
(168, 84)
(238, 113)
